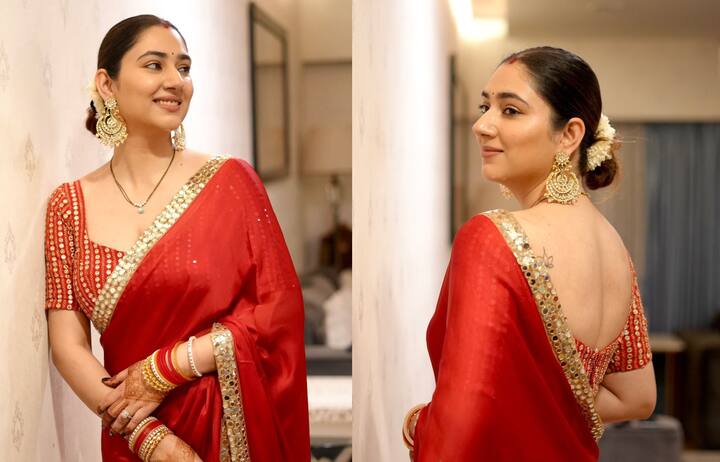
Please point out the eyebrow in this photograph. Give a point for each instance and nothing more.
(163, 55)
(505, 95)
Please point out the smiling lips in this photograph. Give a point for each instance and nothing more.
(169, 104)
(488, 151)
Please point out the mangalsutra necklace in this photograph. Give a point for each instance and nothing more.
(140, 206)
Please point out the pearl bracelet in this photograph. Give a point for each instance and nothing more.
(191, 360)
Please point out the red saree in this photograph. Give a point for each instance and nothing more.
(215, 260)
(510, 384)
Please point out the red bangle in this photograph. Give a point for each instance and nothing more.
(165, 367)
(144, 433)
(176, 375)
(176, 365)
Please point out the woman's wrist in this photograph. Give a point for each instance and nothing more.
(202, 356)
(162, 370)
(152, 441)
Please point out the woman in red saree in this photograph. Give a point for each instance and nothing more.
(513, 379)
(211, 266)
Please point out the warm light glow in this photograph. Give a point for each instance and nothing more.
(475, 29)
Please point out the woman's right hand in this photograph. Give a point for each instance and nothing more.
(131, 394)
(173, 449)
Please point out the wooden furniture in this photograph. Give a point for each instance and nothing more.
(672, 347)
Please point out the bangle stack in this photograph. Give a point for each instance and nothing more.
(146, 437)
(160, 371)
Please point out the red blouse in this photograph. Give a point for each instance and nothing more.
(630, 351)
(76, 267)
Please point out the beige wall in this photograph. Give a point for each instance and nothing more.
(642, 79)
(326, 29)
(325, 103)
(47, 56)
(326, 92)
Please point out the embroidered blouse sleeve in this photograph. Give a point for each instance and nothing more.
(59, 251)
(634, 349)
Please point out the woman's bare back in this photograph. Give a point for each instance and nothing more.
(588, 264)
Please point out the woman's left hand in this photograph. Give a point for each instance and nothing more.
(130, 402)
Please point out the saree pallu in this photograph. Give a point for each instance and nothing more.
(215, 261)
(510, 385)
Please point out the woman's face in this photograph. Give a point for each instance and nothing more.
(514, 130)
(153, 88)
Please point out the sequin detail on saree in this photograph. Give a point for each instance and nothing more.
(124, 270)
(233, 413)
(555, 323)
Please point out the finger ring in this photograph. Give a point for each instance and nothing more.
(125, 415)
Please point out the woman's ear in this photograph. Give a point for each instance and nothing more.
(572, 135)
(104, 84)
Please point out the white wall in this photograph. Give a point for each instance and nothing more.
(47, 56)
(400, 210)
(641, 79)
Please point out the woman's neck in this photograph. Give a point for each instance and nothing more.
(530, 196)
(141, 160)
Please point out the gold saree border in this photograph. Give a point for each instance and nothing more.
(125, 269)
(555, 322)
(237, 449)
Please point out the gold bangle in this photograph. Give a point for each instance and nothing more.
(165, 385)
(412, 415)
(150, 375)
(152, 442)
(133, 436)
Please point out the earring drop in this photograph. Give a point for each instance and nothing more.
(562, 186)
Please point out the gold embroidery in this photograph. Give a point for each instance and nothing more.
(556, 326)
(224, 443)
(233, 413)
(117, 281)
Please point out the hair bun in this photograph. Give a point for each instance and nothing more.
(605, 173)
(91, 120)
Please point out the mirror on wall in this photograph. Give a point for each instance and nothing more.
(270, 102)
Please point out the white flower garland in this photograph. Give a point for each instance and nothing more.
(97, 100)
(600, 151)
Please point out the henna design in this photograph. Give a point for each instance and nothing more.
(180, 452)
(137, 389)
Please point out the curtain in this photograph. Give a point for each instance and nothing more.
(682, 280)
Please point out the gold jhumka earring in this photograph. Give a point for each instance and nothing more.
(111, 129)
(562, 186)
(178, 138)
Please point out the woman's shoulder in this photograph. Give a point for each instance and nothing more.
(61, 197)
(245, 173)
(483, 223)
(241, 165)
(480, 232)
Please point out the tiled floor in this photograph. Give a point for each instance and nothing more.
(701, 456)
